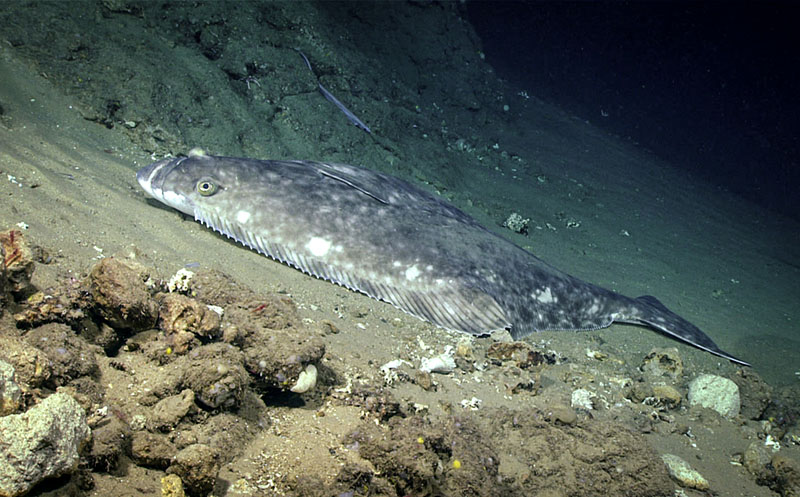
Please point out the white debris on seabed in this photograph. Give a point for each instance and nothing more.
(180, 281)
(472, 404)
(715, 392)
(583, 399)
(517, 223)
(389, 370)
(681, 472)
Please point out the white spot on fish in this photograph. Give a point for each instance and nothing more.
(545, 296)
(412, 273)
(318, 247)
(242, 217)
(172, 198)
(397, 264)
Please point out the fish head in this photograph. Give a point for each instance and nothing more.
(184, 183)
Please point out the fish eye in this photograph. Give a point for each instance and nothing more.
(206, 187)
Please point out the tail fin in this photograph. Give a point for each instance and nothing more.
(653, 313)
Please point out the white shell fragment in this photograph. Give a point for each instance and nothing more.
(306, 381)
(442, 363)
(395, 364)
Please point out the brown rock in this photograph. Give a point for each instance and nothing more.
(152, 450)
(197, 465)
(120, 295)
(110, 440)
(216, 375)
(787, 473)
(667, 395)
(168, 412)
(69, 356)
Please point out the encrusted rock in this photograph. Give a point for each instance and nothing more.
(715, 392)
(787, 476)
(523, 355)
(517, 223)
(10, 393)
(17, 262)
(183, 319)
(43, 442)
(32, 368)
(172, 486)
(682, 473)
(663, 362)
(756, 457)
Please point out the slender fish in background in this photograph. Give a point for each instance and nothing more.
(381, 236)
(328, 95)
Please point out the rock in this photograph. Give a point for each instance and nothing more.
(10, 393)
(152, 450)
(715, 392)
(756, 457)
(32, 367)
(562, 414)
(667, 395)
(217, 375)
(663, 362)
(43, 442)
(69, 356)
(110, 440)
(681, 472)
(120, 295)
(787, 476)
(197, 466)
(168, 412)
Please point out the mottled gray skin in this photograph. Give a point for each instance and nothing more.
(384, 237)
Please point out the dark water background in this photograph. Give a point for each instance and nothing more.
(710, 86)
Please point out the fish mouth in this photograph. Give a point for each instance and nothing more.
(151, 178)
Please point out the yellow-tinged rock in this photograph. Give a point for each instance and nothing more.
(681, 472)
(172, 486)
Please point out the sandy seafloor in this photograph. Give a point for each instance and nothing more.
(90, 92)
